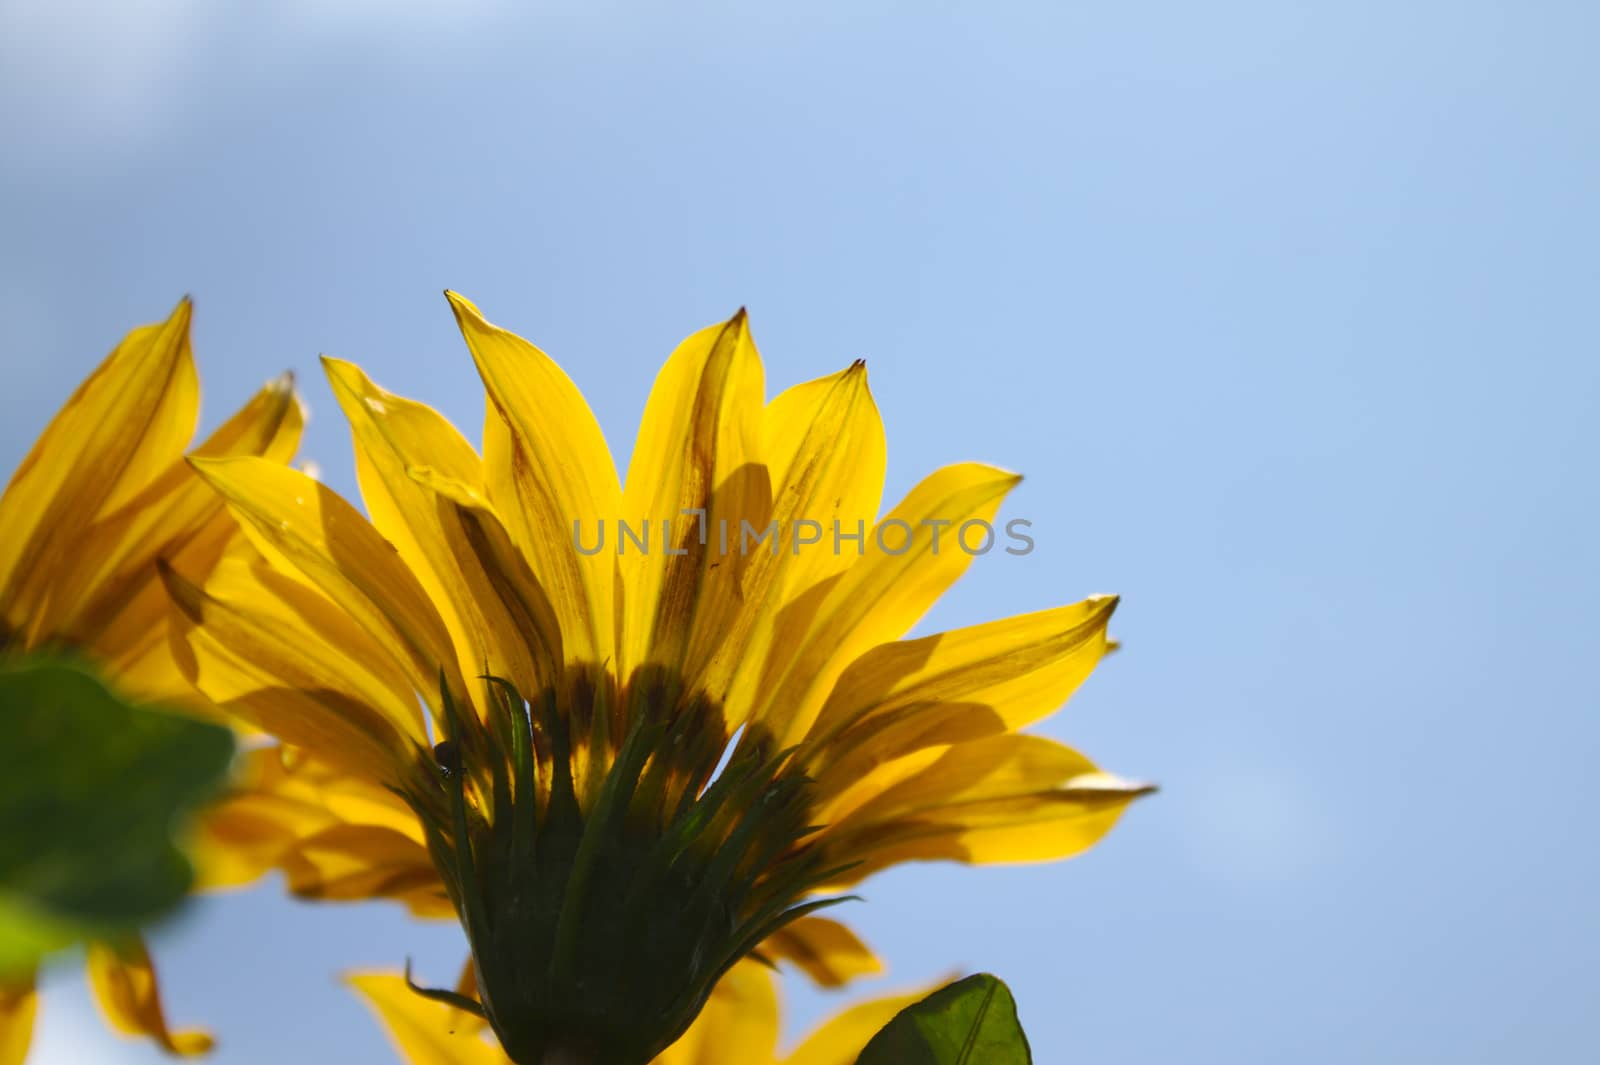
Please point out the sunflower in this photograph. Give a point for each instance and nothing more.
(738, 1026)
(104, 494)
(633, 761)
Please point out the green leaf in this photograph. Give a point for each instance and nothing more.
(92, 790)
(969, 1022)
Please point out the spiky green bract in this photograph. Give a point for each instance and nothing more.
(606, 875)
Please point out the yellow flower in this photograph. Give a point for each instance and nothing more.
(738, 1026)
(642, 759)
(104, 496)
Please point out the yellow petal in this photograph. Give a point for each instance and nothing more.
(522, 637)
(124, 984)
(546, 470)
(304, 527)
(119, 609)
(1008, 798)
(910, 559)
(253, 659)
(738, 1026)
(993, 677)
(694, 470)
(347, 862)
(826, 453)
(334, 836)
(396, 439)
(425, 1032)
(247, 833)
(128, 421)
(824, 444)
(824, 950)
(840, 1039)
(19, 1005)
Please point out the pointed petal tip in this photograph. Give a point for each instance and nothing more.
(183, 312)
(342, 373)
(1110, 785)
(213, 467)
(1010, 478)
(466, 311)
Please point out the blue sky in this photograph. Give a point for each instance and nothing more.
(1286, 310)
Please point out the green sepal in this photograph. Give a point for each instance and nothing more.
(449, 998)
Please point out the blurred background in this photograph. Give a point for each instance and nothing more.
(1287, 311)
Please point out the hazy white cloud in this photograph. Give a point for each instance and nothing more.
(86, 76)
(82, 68)
(1258, 824)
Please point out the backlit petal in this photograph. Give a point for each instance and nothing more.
(253, 659)
(826, 951)
(19, 1005)
(252, 828)
(840, 1039)
(305, 527)
(694, 471)
(350, 862)
(956, 685)
(425, 1032)
(396, 439)
(124, 984)
(908, 561)
(825, 446)
(1008, 798)
(123, 425)
(824, 443)
(548, 469)
(120, 607)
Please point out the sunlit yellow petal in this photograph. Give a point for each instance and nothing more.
(347, 863)
(124, 985)
(840, 1039)
(694, 471)
(549, 469)
(586, 780)
(247, 832)
(19, 1005)
(1008, 798)
(121, 608)
(128, 421)
(304, 527)
(824, 950)
(954, 686)
(824, 444)
(425, 1032)
(245, 658)
(908, 561)
(397, 438)
(333, 836)
(522, 638)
